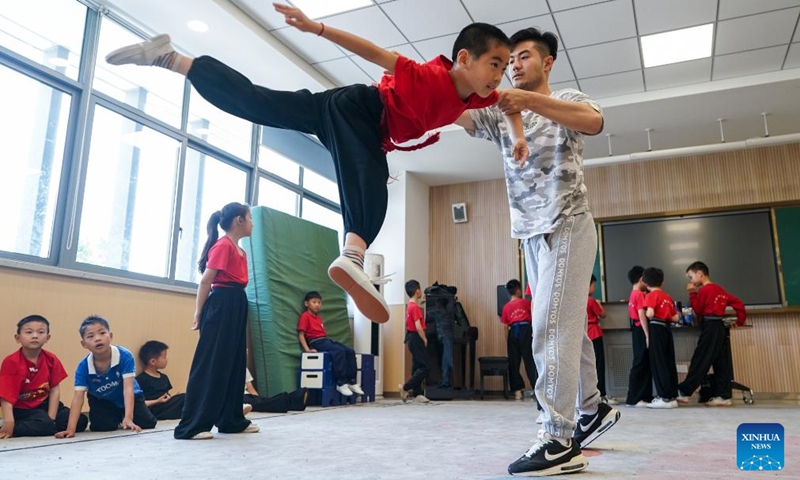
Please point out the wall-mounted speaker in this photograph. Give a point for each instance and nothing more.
(460, 212)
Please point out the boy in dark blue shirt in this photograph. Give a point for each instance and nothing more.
(107, 375)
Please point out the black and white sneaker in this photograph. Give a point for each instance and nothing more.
(590, 427)
(549, 457)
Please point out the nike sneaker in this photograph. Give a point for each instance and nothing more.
(549, 456)
(590, 427)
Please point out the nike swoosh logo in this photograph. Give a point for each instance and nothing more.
(587, 427)
(550, 458)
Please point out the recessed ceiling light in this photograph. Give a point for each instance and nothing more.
(198, 26)
(678, 45)
(58, 61)
(323, 8)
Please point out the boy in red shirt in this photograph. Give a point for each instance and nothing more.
(709, 302)
(417, 345)
(595, 312)
(516, 316)
(313, 338)
(661, 314)
(640, 380)
(358, 124)
(29, 385)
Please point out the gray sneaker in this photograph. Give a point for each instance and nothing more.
(421, 399)
(149, 52)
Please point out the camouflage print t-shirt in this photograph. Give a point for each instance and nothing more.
(550, 185)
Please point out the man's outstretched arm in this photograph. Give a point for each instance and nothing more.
(573, 115)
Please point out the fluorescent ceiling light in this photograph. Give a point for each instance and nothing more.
(198, 26)
(323, 8)
(684, 246)
(677, 46)
(683, 227)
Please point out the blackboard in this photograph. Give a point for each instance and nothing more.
(788, 223)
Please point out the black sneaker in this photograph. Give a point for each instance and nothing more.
(549, 457)
(590, 427)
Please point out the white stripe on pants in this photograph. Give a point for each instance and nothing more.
(559, 267)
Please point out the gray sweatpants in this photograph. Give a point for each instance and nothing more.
(559, 267)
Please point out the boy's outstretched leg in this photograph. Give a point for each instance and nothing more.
(347, 271)
(156, 52)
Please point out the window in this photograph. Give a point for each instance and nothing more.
(320, 185)
(49, 32)
(314, 212)
(126, 220)
(277, 197)
(33, 127)
(276, 163)
(155, 91)
(208, 185)
(218, 128)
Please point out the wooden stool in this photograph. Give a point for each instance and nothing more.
(492, 366)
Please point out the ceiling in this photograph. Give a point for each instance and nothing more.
(755, 66)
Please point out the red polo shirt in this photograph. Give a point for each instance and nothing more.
(311, 325)
(26, 385)
(421, 97)
(414, 313)
(231, 264)
(515, 311)
(662, 304)
(635, 303)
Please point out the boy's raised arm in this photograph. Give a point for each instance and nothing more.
(361, 47)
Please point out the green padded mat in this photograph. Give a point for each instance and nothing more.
(287, 257)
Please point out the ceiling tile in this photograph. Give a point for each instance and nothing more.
(370, 23)
(749, 63)
(655, 16)
(262, 12)
(430, 49)
(343, 72)
(559, 5)
(500, 11)
(562, 85)
(613, 85)
(311, 47)
(375, 71)
(678, 74)
(738, 8)
(756, 31)
(596, 23)
(593, 61)
(561, 71)
(544, 23)
(423, 19)
(793, 59)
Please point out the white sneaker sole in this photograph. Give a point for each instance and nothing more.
(367, 299)
(609, 421)
(137, 54)
(575, 464)
(203, 436)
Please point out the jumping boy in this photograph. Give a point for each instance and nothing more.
(29, 385)
(312, 337)
(106, 376)
(709, 301)
(661, 314)
(358, 124)
(417, 343)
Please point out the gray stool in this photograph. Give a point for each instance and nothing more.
(493, 366)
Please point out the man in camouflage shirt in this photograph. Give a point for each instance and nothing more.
(550, 215)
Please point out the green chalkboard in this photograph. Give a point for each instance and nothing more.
(788, 224)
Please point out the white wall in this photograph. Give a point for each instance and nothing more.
(417, 229)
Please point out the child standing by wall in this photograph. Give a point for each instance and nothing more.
(417, 343)
(640, 380)
(661, 314)
(214, 391)
(516, 316)
(313, 338)
(29, 385)
(595, 312)
(709, 301)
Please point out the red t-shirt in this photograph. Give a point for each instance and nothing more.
(712, 300)
(311, 325)
(635, 303)
(662, 304)
(593, 309)
(516, 310)
(414, 313)
(232, 265)
(421, 97)
(25, 385)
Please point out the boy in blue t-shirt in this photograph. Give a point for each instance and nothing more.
(107, 375)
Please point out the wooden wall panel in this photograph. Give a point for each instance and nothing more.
(479, 255)
(475, 256)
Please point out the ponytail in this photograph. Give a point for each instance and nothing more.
(222, 218)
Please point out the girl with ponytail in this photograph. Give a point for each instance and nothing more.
(214, 394)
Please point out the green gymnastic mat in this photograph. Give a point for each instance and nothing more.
(287, 257)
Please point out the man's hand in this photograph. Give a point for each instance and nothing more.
(296, 18)
(521, 151)
(127, 423)
(512, 100)
(66, 434)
